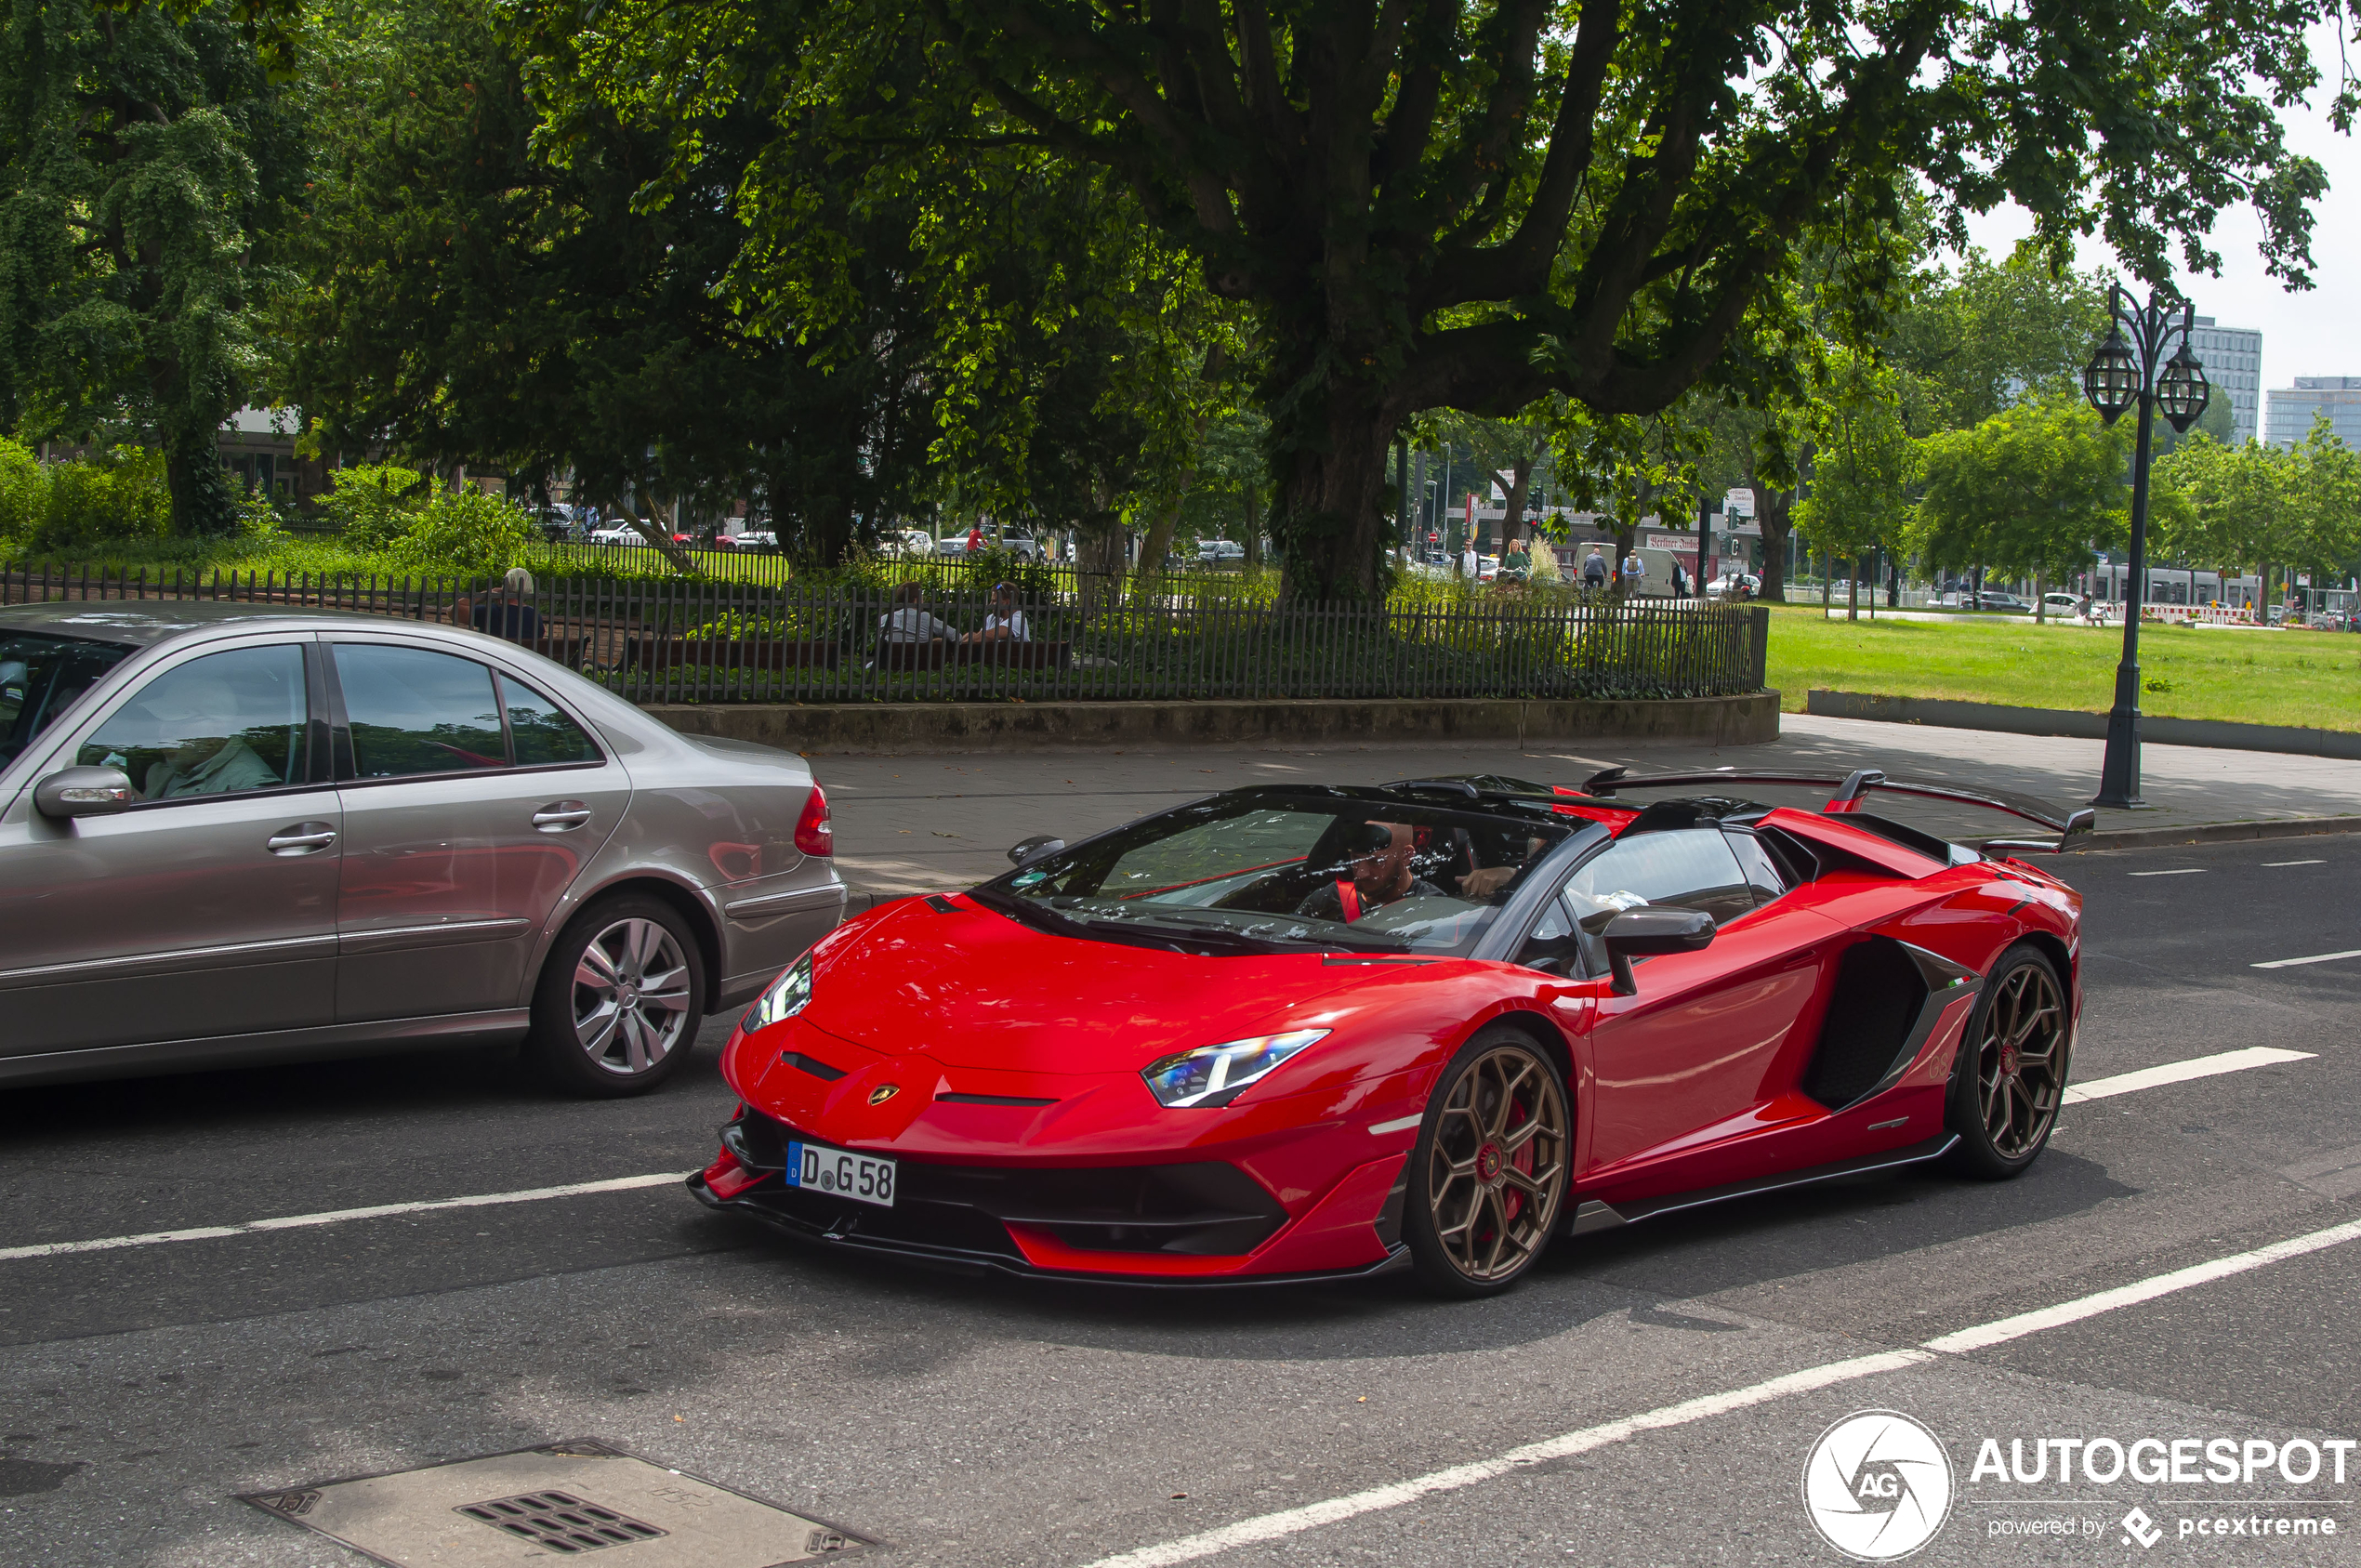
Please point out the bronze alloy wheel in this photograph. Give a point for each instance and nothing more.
(1493, 1164)
(2013, 1067)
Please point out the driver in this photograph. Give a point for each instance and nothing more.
(1379, 874)
(201, 763)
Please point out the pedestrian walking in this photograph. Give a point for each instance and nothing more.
(1594, 571)
(1635, 572)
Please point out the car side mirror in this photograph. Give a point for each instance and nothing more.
(1035, 848)
(1641, 933)
(84, 792)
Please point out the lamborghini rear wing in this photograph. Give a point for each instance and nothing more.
(2073, 827)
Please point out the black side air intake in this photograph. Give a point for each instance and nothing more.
(1879, 994)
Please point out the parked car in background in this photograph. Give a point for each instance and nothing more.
(2008, 602)
(2062, 603)
(954, 545)
(1220, 550)
(617, 533)
(758, 539)
(909, 542)
(235, 833)
(1737, 584)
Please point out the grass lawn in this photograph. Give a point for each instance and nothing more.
(2247, 677)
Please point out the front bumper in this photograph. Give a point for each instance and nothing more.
(1198, 1224)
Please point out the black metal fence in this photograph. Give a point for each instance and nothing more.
(736, 641)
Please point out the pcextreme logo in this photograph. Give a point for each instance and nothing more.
(1877, 1485)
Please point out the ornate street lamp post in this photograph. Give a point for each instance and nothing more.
(2121, 374)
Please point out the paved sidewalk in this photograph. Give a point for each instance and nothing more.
(910, 824)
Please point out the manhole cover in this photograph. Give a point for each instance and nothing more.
(569, 1499)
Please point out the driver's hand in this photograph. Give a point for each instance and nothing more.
(1487, 881)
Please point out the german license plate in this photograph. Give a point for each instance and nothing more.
(863, 1177)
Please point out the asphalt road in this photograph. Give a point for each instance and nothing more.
(984, 1423)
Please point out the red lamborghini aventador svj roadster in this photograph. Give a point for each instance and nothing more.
(1296, 1032)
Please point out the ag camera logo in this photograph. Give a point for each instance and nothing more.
(1877, 1485)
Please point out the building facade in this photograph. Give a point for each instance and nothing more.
(2232, 360)
(2292, 408)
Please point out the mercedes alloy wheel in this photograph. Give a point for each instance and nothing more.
(620, 998)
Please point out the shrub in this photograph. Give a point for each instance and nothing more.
(463, 533)
(116, 496)
(374, 504)
(23, 493)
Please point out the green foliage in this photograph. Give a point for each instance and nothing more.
(147, 159)
(373, 504)
(2220, 505)
(1864, 465)
(466, 533)
(2028, 491)
(110, 498)
(529, 283)
(23, 491)
(1481, 206)
(1992, 334)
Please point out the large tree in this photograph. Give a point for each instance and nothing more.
(542, 295)
(1473, 203)
(147, 158)
(2030, 490)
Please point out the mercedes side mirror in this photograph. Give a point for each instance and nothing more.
(1641, 933)
(84, 792)
(1035, 848)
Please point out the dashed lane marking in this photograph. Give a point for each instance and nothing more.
(2182, 1072)
(2314, 958)
(340, 1216)
(2273, 866)
(2181, 871)
(1311, 1516)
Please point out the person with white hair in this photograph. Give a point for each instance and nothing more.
(510, 617)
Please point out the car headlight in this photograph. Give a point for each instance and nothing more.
(787, 996)
(1213, 1075)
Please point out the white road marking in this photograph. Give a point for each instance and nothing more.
(2315, 958)
(2273, 866)
(339, 1216)
(2183, 871)
(2102, 1088)
(2182, 1072)
(1987, 1335)
(1401, 1124)
(1292, 1522)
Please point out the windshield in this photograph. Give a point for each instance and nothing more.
(41, 676)
(1264, 873)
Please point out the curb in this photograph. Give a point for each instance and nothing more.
(2155, 730)
(2218, 833)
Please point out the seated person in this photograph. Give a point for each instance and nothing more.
(201, 764)
(510, 616)
(1379, 874)
(910, 622)
(1005, 622)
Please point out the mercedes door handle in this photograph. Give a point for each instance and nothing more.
(303, 839)
(562, 816)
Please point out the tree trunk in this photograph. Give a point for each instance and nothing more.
(652, 530)
(1331, 523)
(1852, 592)
(1253, 541)
(2040, 607)
(1521, 484)
(1775, 514)
(201, 505)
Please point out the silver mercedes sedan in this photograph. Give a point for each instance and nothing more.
(235, 834)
